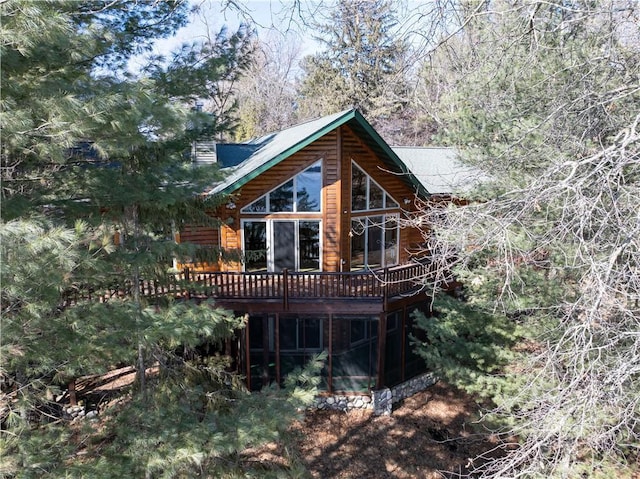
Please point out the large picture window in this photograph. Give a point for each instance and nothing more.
(374, 237)
(300, 194)
(274, 242)
(374, 241)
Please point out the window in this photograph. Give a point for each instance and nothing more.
(258, 206)
(255, 245)
(308, 188)
(275, 245)
(358, 189)
(302, 193)
(309, 245)
(282, 198)
(374, 241)
(374, 238)
(366, 194)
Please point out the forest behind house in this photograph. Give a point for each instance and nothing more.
(538, 357)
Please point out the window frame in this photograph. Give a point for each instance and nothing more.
(270, 253)
(368, 200)
(366, 224)
(295, 208)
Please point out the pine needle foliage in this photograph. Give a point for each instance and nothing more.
(96, 177)
(363, 65)
(466, 346)
(546, 102)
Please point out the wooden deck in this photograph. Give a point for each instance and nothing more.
(284, 287)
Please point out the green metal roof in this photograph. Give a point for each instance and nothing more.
(276, 147)
(439, 169)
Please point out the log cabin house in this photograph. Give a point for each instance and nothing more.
(330, 264)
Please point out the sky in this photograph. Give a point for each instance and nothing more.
(270, 17)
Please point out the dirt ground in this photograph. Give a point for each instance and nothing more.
(430, 435)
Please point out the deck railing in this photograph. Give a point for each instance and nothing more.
(382, 283)
(285, 286)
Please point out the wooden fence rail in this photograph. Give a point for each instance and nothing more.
(285, 285)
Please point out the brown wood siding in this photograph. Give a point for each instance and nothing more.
(345, 217)
(202, 235)
(230, 240)
(411, 241)
(332, 201)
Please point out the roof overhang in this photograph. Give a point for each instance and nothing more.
(282, 145)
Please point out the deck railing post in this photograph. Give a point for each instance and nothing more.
(285, 289)
(186, 283)
(385, 288)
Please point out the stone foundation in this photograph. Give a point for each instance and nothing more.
(380, 401)
(73, 413)
(412, 386)
(343, 402)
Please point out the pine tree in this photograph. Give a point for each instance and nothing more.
(547, 104)
(91, 154)
(363, 65)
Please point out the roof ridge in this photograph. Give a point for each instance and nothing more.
(304, 122)
(424, 147)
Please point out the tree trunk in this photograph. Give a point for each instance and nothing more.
(135, 289)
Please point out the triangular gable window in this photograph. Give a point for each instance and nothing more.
(366, 194)
(302, 193)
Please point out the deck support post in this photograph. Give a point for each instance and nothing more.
(71, 387)
(247, 351)
(277, 347)
(403, 352)
(382, 340)
(330, 378)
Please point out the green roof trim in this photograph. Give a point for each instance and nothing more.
(279, 146)
(391, 154)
